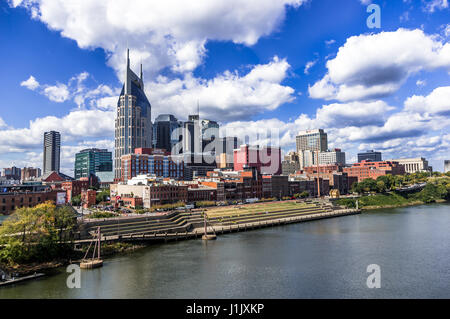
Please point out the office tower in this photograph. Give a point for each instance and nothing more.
(309, 144)
(369, 156)
(192, 135)
(91, 161)
(446, 166)
(12, 173)
(210, 131)
(312, 140)
(30, 173)
(163, 132)
(199, 135)
(52, 150)
(224, 150)
(307, 158)
(335, 156)
(133, 126)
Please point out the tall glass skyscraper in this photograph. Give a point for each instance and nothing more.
(163, 128)
(52, 149)
(91, 161)
(133, 126)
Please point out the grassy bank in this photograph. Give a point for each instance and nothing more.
(430, 194)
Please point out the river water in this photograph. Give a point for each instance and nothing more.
(318, 259)
(2, 218)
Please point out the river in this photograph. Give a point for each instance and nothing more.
(319, 259)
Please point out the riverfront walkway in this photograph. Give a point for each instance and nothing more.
(233, 224)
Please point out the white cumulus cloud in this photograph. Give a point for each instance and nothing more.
(31, 83)
(437, 102)
(228, 96)
(57, 93)
(371, 66)
(162, 34)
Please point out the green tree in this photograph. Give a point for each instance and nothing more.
(102, 196)
(388, 180)
(381, 187)
(40, 233)
(76, 200)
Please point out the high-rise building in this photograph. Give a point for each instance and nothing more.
(30, 173)
(309, 144)
(210, 131)
(312, 140)
(307, 158)
(335, 156)
(164, 126)
(52, 149)
(12, 173)
(133, 126)
(446, 166)
(91, 161)
(192, 135)
(369, 156)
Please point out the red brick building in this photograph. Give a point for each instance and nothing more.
(199, 192)
(368, 169)
(13, 197)
(310, 186)
(88, 197)
(237, 185)
(74, 188)
(151, 161)
(275, 186)
(323, 169)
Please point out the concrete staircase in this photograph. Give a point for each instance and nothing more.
(171, 223)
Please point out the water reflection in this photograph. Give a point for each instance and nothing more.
(319, 259)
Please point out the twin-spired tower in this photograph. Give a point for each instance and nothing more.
(133, 126)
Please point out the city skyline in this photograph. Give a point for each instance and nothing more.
(248, 79)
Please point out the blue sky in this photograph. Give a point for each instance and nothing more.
(252, 65)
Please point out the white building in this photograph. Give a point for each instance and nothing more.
(307, 158)
(413, 165)
(143, 180)
(335, 156)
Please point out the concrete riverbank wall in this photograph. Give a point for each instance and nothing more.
(198, 231)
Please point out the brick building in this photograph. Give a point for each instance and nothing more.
(13, 197)
(151, 161)
(368, 169)
(298, 186)
(275, 186)
(88, 197)
(74, 188)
